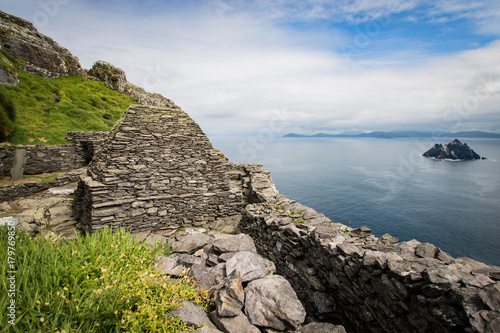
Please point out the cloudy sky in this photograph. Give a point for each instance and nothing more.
(244, 66)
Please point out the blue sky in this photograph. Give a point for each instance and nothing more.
(244, 66)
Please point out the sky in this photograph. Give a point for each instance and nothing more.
(245, 67)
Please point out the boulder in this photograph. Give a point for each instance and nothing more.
(235, 243)
(177, 264)
(192, 314)
(191, 243)
(229, 296)
(237, 324)
(250, 265)
(271, 302)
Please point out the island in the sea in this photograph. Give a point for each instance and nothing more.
(454, 150)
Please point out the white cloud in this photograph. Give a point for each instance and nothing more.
(232, 70)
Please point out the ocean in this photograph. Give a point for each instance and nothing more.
(386, 185)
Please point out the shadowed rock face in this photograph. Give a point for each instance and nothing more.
(454, 150)
(42, 54)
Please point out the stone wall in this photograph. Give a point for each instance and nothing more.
(369, 284)
(13, 192)
(156, 170)
(41, 159)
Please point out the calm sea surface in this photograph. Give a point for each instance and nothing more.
(386, 185)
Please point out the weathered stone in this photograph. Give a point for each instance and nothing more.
(192, 314)
(322, 328)
(387, 239)
(426, 250)
(491, 296)
(479, 281)
(250, 265)
(235, 243)
(177, 264)
(237, 324)
(362, 232)
(190, 243)
(271, 302)
(17, 171)
(229, 296)
(349, 249)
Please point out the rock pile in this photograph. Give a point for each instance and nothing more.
(248, 296)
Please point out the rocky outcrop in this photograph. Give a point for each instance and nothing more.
(248, 295)
(8, 77)
(43, 56)
(454, 150)
(116, 79)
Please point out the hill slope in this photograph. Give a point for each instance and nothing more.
(48, 108)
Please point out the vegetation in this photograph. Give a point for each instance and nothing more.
(99, 283)
(7, 115)
(48, 108)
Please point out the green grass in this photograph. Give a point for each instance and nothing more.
(99, 283)
(48, 108)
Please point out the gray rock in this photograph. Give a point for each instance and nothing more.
(237, 324)
(177, 264)
(491, 296)
(192, 314)
(271, 302)
(362, 232)
(479, 281)
(235, 243)
(191, 243)
(17, 171)
(387, 239)
(322, 328)
(229, 296)
(202, 274)
(426, 250)
(443, 275)
(250, 265)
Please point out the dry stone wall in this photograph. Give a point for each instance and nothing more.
(39, 159)
(369, 284)
(156, 170)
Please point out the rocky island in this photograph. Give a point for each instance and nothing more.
(454, 150)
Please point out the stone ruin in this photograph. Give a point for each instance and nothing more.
(155, 170)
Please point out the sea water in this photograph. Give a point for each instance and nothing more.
(386, 185)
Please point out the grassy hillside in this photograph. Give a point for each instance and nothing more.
(46, 109)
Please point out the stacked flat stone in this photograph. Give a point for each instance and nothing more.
(39, 159)
(371, 284)
(156, 169)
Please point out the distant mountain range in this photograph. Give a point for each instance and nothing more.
(399, 134)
